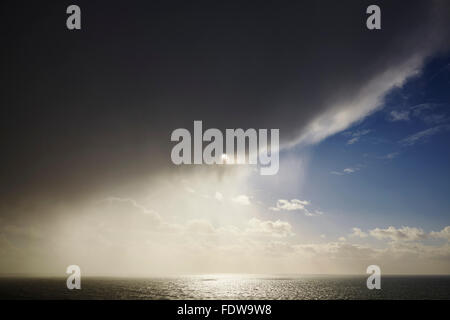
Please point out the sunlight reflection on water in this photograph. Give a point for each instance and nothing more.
(230, 287)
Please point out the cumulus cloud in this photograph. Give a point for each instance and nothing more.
(242, 200)
(100, 241)
(274, 228)
(444, 233)
(337, 250)
(295, 205)
(408, 234)
(128, 208)
(400, 234)
(358, 233)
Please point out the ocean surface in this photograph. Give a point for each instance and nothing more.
(226, 287)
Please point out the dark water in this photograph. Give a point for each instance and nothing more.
(229, 287)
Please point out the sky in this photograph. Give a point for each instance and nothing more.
(86, 175)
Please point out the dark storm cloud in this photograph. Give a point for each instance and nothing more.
(87, 110)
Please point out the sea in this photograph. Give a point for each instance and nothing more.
(226, 287)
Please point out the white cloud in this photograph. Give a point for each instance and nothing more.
(242, 200)
(353, 140)
(355, 136)
(255, 246)
(423, 135)
(274, 228)
(295, 205)
(348, 170)
(400, 234)
(444, 233)
(357, 232)
(399, 115)
(343, 114)
(314, 213)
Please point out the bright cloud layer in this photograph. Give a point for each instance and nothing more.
(120, 236)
